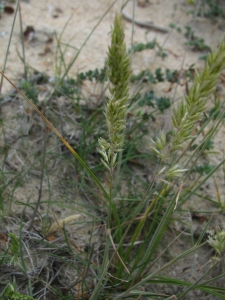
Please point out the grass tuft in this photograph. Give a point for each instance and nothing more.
(113, 190)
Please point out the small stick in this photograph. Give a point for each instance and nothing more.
(149, 25)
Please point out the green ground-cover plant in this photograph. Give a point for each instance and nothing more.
(10, 293)
(133, 224)
(149, 45)
(209, 8)
(196, 43)
(212, 9)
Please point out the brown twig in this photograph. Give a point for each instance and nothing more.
(149, 25)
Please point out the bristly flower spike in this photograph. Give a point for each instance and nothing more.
(116, 109)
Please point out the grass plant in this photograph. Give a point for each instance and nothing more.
(125, 224)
